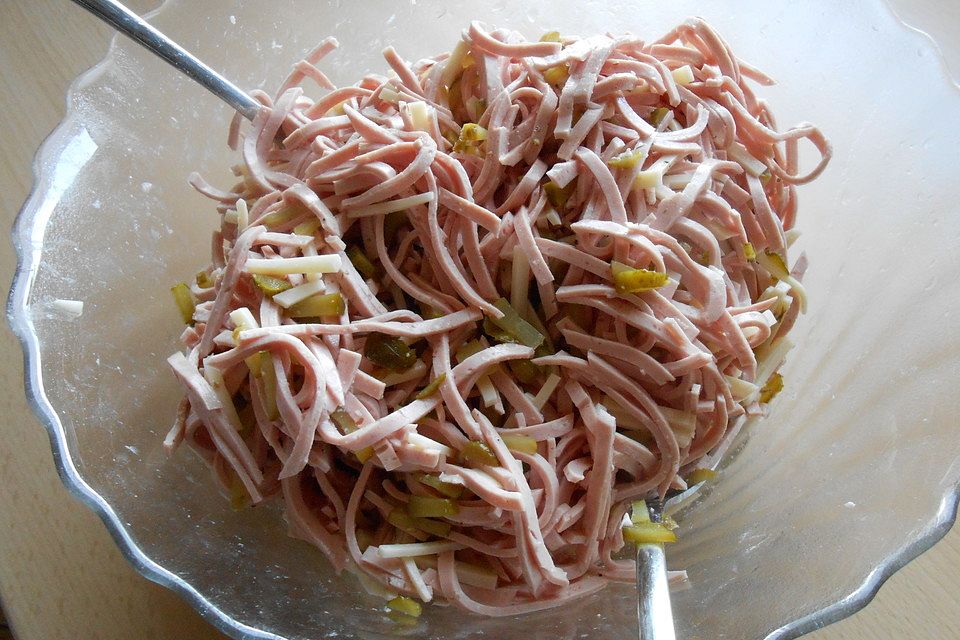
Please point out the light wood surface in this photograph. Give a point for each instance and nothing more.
(61, 576)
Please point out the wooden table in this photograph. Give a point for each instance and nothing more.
(61, 577)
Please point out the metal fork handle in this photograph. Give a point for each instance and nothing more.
(133, 26)
(653, 593)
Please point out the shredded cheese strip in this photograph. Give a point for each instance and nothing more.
(286, 266)
(467, 312)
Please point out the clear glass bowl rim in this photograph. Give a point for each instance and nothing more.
(19, 320)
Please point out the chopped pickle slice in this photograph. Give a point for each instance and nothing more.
(700, 475)
(557, 75)
(429, 313)
(406, 606)
(424, 507)
(308, 228)
(361, 262)
(521, 444)
(279, 217)
(626, 160)
(204, 281)
(433, 527)
(344, 422)
(525, 371)
(455, 97)
(389, 352)
(557, 195)
(773, 386)
(443, 488)
(512, 323)
(270, 285)
(392, 224)
(347, 424)
(431, 388)
(776, 265)
(749, 252)
(629, 280)
(479, 453)
(402, 520)
(648, 533)
(185, 302)
(468, 349)
(472, 132)
(269, 377)
(639, 512)
(255, 363)
(327, 304)
(495, 332)
(658, 115)
(239, 498)
(471, 137)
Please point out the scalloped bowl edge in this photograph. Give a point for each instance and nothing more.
(18, 317)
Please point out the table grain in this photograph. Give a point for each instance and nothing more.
(61, 576)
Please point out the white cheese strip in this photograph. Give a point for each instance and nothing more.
(329, 263)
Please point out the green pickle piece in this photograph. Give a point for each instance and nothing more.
(270, 285)
(433, 527)
(389, 352)
(773, 386)
(431, 388)
(629, 280)
(658, 115)
(511, 322)
(479, 453)
(361, 262)
(525, 371)
(392, 224)
(406, 606)
(443, 488)
(327, 304)
(626, 160)
(471, 137)
(344, 422)
(558, 196)
(185, 302)
(521, 444)
(426, 507)
(403, 521)
(204, 281)
(648, 533)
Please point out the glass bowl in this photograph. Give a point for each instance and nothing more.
(853, 474)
